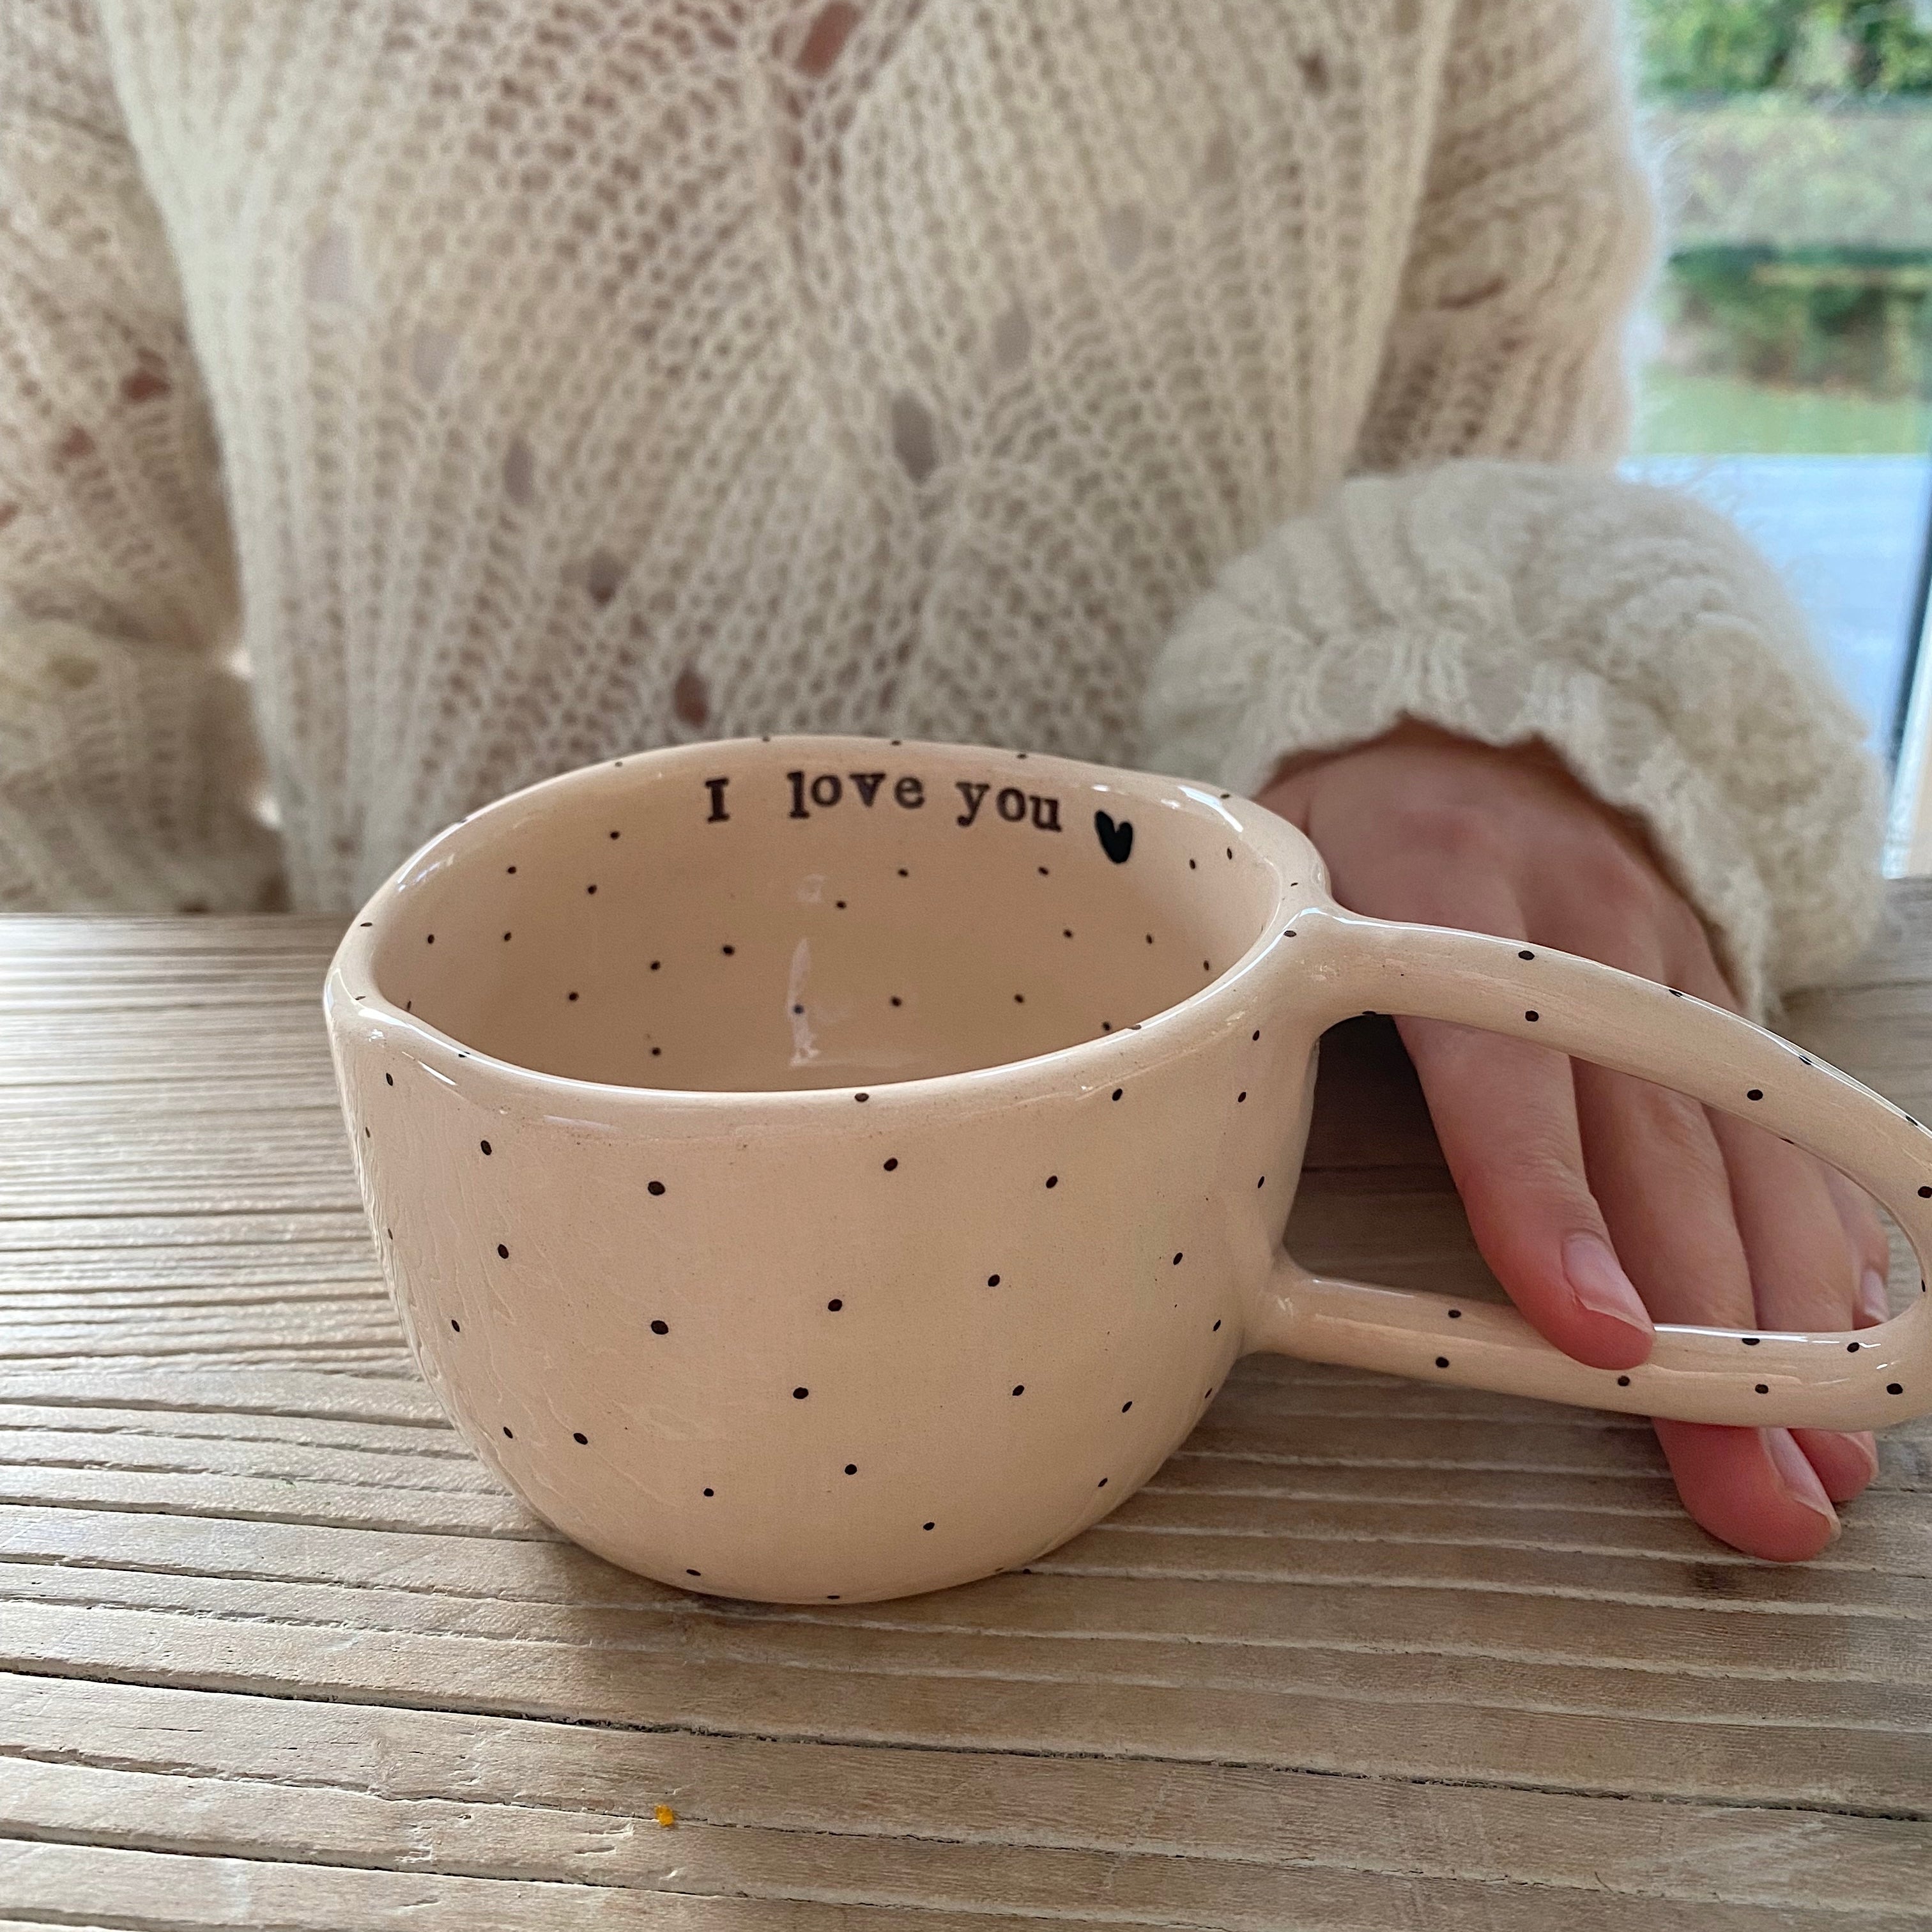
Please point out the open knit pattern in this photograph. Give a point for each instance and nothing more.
(1174, 382)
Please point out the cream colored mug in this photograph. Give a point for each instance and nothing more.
(823, 1169)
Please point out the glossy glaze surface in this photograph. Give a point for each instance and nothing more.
(819, 1168)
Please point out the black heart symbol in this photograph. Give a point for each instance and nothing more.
(1116, 840)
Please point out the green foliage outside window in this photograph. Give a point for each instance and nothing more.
(1763, 297)
(1693, 48)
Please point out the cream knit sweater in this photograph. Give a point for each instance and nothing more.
(1178, 382)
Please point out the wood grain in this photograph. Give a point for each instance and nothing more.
(275, 1650)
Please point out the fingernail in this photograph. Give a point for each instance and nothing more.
(1874, 1303)
(1800, 1481)
(1597, 1280)
(1866, 1444)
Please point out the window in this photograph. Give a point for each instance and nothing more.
(1787, 352)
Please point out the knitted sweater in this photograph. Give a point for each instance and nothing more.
(514, 382)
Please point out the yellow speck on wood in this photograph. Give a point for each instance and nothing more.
(665, 1816)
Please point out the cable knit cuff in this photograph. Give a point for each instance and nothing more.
(1633, 631)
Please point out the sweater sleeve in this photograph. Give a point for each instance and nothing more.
(126, 766)
(1486, 571)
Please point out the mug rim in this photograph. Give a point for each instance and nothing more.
(1275, 839)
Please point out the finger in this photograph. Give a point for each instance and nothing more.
(1816, 1251)
(1657, 1163)
(1505, 1115)
(1865, 1233)
(1754, 1489)
(1847, 1460)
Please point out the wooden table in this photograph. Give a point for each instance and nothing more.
(275, 1651)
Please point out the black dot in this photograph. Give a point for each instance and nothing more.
(903, 873)
(892, 1164)
(590, 889)
(1442, 1361)
(1067, 932)
(660, 1327)
(1756, 1093)
(1853, 1348)
(1042, 871)
(1106, 1026)
(835, 1305)
(1053, 1180)
(484, 1145)
(1894, 1388)
(502, 1253)
(1102, 1483)
(1288, 933)
(1177, 1261)
(506, 935)
(1455, 1315)
(1262, 1182)
(1125, 1406)
(573, 996)
(1191, 866)
(1215, 1329)
(1019, 1388)
(506, 1431)
(1623, 1382)
(1149, 939)
(862, 1097)
(1925, 1193)
(1807, 1058)
(799, 1394)
(371, 922)
(694, 1573)
(798, 1009)
(1205, 967)
(457, 1326)
(1531, 1014)
(389, 1079)
(1676, 993)
(1019, 999)
(1240, 1097)
(578, 1434)
(1230, 851)
(897, 1000)
(711, 1493)
(841, 904)
(430, 940)
(656, 964)
(509, 868)
(851, 1468)
(367, 1135)
(1525, 954)
(1256, 1034)
(1752, 1341)
(1763, 1388)
(728, 950)
(1118, 1091)
(928, 1526)
(654, 1187)
(992, 1281)
(613, 835)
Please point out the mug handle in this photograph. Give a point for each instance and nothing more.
(1858, 1379)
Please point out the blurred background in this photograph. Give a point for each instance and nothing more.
(1786, 355)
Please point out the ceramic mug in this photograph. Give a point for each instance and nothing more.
(824, 1169)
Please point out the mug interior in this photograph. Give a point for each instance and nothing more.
(817, 913)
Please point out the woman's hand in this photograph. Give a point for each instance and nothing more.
(1601, 1202)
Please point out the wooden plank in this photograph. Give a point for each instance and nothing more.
(1217, 1813)
(1360, 1704)
(527, 1845)
(152, 1892)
